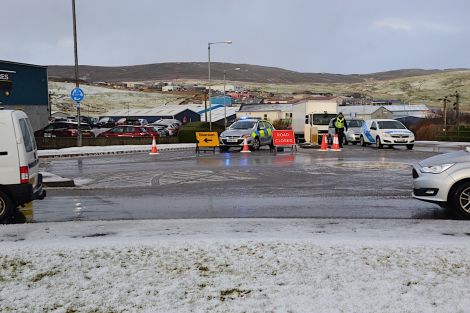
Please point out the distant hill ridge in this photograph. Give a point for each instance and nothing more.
(198, 71)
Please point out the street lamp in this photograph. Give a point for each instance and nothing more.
(209, 65)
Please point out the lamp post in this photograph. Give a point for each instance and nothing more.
(209, 66)
(77, 83)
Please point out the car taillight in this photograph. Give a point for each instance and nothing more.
(24, 175)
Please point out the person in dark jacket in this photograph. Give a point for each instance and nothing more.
(341, 126)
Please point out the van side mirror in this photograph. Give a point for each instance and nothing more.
(306, 119)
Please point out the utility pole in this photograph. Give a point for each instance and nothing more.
(77, 83)
(444, 100)
(457, 111)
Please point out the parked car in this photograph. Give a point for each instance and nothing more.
(168, 121)
(445, 179)
(20, 180)
(389, 132)
(84, 119)
(64, 129)
(159, 131)
(257, 133)
(106, 122)
(132, 121)
(352, 135)
(126, 131)
(172, 129)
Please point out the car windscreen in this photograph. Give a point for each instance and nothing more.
(391, 125)
(322, 119)
(355, 123)
(243, 125)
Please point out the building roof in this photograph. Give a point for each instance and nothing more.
(163, 110)
(283, 107)
(407, 107)
(360, 109)
(21, 64)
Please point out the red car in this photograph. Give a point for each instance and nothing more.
(127, 131)
(64, 129)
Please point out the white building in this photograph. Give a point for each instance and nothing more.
(270, 112)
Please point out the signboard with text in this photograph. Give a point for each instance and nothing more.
(283, 138)
(207, 139)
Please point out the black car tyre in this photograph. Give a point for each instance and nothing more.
(6, 207)
(362, 141)
(460, 200)
(409, 147)
(271, 145)
(354, 143)
(256, 144)
(378, 143)
(223, 149)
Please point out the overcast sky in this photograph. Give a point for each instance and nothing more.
(334, 36)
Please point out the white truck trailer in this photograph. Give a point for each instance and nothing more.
(311, 114)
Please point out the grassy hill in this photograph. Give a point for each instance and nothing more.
(199, 71)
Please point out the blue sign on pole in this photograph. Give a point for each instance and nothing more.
(77, 94)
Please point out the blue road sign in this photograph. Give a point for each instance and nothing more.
(77, 94)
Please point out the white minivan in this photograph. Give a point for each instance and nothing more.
(381, 132)
(20, 181)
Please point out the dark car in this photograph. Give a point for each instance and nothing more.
(84, 119)
(106, 122)
(64, 129)
(126, 131)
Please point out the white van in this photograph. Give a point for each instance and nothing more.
(20, 181)
(381, 132)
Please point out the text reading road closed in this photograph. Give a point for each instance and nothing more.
(283, 138)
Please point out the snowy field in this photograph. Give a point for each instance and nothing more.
(230, 265)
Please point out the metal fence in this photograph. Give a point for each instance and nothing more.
(59, 143)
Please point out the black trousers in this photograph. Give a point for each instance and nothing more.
(340, 132)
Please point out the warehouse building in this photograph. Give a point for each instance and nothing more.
(365, 112)
(270, 112)
(24, 87)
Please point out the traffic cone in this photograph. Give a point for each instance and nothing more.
(335, 146)
(154, 150)
(324, 143)
(245, 146)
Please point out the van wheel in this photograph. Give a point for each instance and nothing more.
(378, 143)
(460, 200)
(363, 142)
(6, 207)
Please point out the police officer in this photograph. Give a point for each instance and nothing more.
(340, 126)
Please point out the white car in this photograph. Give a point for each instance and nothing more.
(445, 179)
(381, 132)
(20, 181)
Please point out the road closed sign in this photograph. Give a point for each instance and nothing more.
(283, 138)
(207, 139)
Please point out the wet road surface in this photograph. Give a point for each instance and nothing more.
(355, 183)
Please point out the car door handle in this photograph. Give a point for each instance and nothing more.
(3, 152)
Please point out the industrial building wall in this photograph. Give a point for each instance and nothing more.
(26, 88)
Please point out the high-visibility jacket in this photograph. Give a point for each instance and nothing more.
(339, 122)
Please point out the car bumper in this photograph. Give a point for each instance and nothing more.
(395, 141)
(238, 143)
(431, 187)
(353, 137)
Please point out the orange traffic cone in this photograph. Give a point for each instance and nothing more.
(324, 143)
(245, 146)
(335, 146)
(154, 150)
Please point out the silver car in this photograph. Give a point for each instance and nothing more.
(445, 179)
(352, 135)
(257, 133)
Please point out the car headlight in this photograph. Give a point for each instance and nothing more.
(436, 169)
(387, 135)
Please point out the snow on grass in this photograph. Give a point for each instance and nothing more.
(236, 266)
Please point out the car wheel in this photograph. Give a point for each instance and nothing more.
(271, 145)
(460, 200)
(223, 149)
(378, 143)
(6, 207)
(362, 141)
(409, 147)
(354, 143)
(256, 144)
